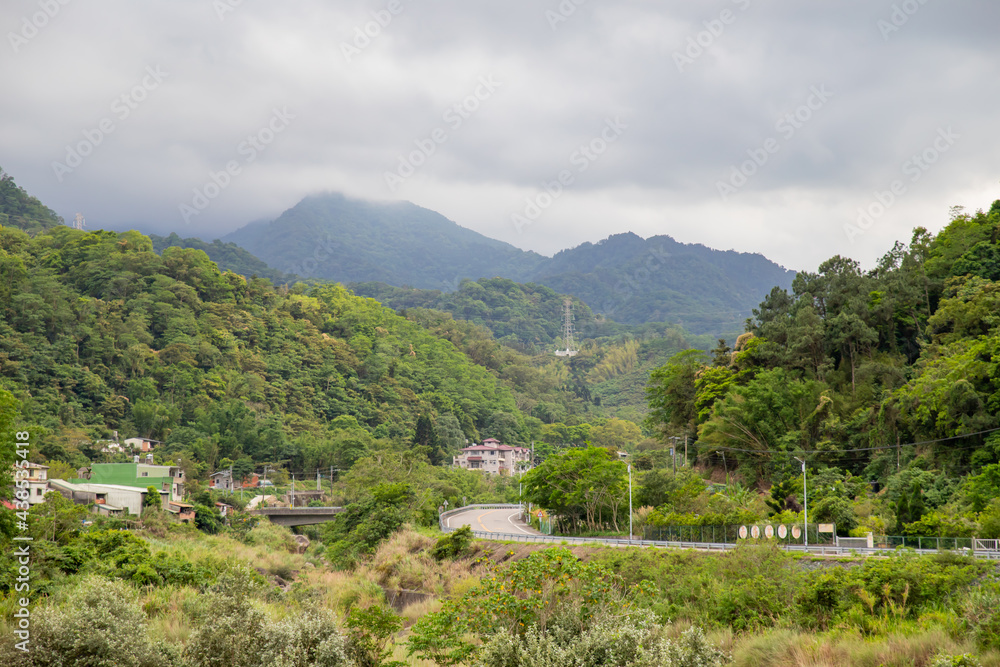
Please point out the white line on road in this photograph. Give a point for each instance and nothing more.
(515, 525)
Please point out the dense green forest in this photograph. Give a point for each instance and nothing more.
(887, 382)
(228, 257)
(21, 210)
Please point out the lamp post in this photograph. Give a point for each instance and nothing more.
(805, 498)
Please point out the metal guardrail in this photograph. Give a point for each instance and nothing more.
(822, 549)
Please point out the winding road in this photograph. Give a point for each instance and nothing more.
(506, 520)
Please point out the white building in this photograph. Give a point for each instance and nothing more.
(494, 458)
(38, 481)
(109, 499)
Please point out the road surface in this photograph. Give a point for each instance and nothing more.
(492, 521)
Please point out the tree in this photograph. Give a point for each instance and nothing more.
(8, 412)
(587, 485)
(616, 434)
(671, 393)
(242, 469)
(152, 500)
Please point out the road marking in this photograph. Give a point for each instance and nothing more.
(480, 520)
(515, 525)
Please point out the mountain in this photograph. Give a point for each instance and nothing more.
(349, 240)
(624, 277)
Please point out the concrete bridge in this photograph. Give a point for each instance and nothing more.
(298, 516)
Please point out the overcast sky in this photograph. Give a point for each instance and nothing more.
(643, 108)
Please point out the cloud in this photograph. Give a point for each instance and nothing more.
(366, 80)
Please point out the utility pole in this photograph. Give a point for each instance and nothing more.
(629, 502)
(293, 491)
(685, 450)
(317, 480)
(673, 455)
(805, 497)
(897, 451)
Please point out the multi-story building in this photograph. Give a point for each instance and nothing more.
(164, 478)
(38, 481)
(493, 457)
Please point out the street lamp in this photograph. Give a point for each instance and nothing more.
(805, 497)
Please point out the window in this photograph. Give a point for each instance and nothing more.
(145, 474)
(38, 491)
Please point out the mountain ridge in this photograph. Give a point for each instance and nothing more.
(623, 277)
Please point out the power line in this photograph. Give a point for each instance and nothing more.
(859, 449)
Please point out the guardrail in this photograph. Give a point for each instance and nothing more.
(823, 550)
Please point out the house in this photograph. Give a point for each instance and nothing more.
(183, 511)
(38, 481)
(224, 509)
(141, 444)
(168, 479)
(222, 481)
(108, 499)
(493, 457)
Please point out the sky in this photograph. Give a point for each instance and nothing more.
(798, 130)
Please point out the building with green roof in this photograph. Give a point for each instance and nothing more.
(141, 475)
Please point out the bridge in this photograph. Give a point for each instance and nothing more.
(298, 516)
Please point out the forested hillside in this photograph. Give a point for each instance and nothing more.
(99, 333)
(890, 375)
(21, 210)
(228, 256)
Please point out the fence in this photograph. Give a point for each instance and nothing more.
(935, 543)
(819, 534)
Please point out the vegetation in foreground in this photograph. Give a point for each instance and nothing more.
(168, 594)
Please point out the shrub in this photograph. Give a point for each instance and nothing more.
(230, 628)
(965, 660)
(614, 641)
(979, 611)
(309, 640)
(371, 630)
(453, 545)
(100, 624)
